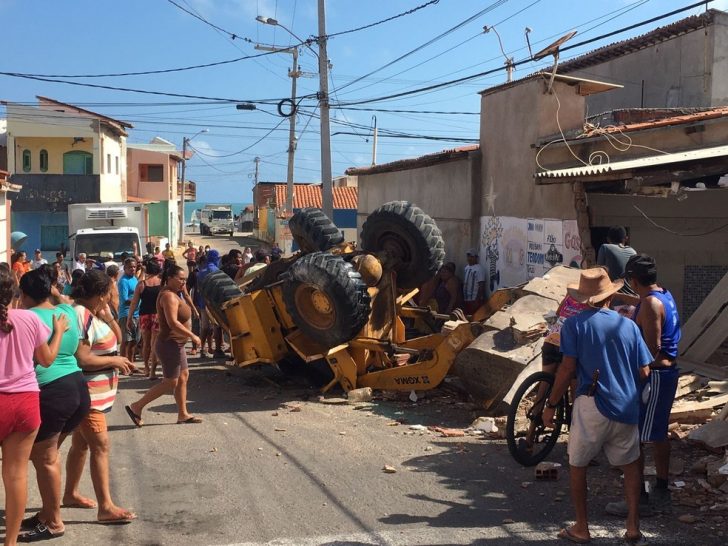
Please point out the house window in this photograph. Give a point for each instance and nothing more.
(108, 163)
(151, 173)
(26, 161)
(44, 161)
(117, 164)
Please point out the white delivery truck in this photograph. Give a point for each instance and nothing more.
(216, 219)
(100, 229)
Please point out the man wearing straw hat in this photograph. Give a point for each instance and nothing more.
(606, 354)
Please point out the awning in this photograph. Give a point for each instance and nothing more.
(675, 166)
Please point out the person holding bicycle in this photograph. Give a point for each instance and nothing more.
(608, 357)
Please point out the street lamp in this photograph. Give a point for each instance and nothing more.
(185, 141)
(327, 195)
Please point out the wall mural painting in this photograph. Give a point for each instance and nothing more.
(572, 244)
(492, 232)
(514, 250)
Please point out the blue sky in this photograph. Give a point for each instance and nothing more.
(106, 36)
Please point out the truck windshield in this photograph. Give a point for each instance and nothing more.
(94, 244)
(221, 215)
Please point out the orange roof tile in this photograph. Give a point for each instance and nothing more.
(665, 121)
(309, 195)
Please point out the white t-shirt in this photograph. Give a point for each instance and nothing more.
(474, 274)
(35, 264)
(79, 266)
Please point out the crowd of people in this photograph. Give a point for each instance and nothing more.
(67, 332)
(85, 325)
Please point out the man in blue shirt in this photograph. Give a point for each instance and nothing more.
(129, 326)
(657, 318)
(606, 354)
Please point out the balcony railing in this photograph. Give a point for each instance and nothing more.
(54, 192)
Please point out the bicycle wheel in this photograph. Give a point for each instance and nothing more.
(529, 440)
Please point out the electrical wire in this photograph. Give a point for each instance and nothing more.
(144, 91)
(450, 113)
(668, 230)
(261, 139)
(233, 35)
(518, 63)
(615, 13)
(480, 13)
(148, 72)
(370, 25)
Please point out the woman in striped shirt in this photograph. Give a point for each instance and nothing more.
(98, 358)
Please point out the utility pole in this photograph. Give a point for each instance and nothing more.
(327, 192)
(256, 216)
(294, 75)
(374, 142)
(185, 140)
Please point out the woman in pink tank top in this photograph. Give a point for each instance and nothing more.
(23, 337)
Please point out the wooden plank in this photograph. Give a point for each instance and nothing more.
(689, 383)
(706, 404)
(707, 311)
(709, 339)
(711, 371)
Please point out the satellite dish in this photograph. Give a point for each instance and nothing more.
(17, 238)
(553, 49)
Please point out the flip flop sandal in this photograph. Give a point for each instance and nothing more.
(136, 419)
(31, 523)
(38, 533)
(566, 534)
(118, 521)
(190, 421)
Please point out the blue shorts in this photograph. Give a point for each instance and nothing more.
(657, 397)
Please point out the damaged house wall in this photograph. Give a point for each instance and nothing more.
(525, 228)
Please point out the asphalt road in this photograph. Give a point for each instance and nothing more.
(272, 464)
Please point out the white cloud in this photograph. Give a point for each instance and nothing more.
(205, 147)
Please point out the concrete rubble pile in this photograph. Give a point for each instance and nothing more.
(493, 366)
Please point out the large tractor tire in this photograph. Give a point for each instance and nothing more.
(326, 298)
(406, 240)
(216, 289)
(314, 231)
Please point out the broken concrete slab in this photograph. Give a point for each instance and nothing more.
(490, 366)
(553, 284)
(713, 434)
(526, 313)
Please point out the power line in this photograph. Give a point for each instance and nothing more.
(392, 18)
(148, 72)
(144, 91)
(233, 35)
(408, 111)
(485, 10)
(247, 147)
(518, 63)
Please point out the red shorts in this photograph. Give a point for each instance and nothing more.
(19, 412)
(149, 323)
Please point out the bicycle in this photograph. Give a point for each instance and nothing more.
(529, 440)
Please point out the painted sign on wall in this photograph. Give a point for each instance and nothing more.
(514, 250)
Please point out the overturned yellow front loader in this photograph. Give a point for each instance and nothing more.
(345, 307)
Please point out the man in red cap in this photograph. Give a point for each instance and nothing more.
(606, 354)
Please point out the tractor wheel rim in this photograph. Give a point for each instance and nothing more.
(395, 246)
(315, 307)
